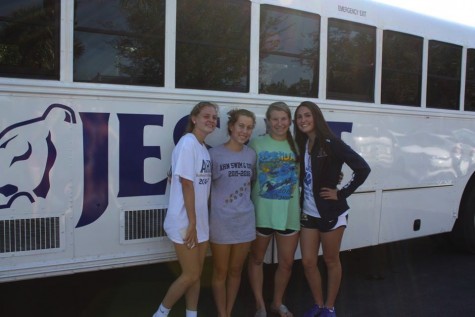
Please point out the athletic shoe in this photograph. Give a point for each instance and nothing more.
(159, 313)
(314, 311)
(261, 313)
(327, 313)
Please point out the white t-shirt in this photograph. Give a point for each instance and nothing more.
(309, 206)
(190, 160)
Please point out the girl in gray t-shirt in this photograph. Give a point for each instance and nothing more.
(232, 219)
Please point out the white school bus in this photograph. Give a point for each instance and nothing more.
(94, 94)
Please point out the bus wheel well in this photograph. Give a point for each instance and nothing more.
(463, 233)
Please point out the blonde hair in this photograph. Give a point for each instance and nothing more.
(196, 111)
(282, 106)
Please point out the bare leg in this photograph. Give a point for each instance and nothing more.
(193, 293)
(331, 242)
(309, 246)
(221, 254)
(239, 253)
(286, 246)
(255, 268)
(191, 262)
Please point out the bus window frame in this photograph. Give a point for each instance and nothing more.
(418, 71)
(313, 59)
(435, 78)
(32, 71)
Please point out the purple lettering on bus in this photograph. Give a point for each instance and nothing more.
(339, 127)
(132, 155)
(96, 166)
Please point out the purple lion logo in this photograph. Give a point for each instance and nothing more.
(28, 154)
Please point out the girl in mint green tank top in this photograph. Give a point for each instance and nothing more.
(275, 194)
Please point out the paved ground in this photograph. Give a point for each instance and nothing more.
(421, 277)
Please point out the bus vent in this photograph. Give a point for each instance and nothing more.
(144, 224)
(19, 235)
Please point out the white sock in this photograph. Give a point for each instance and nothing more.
(191, 313)
(162, 311)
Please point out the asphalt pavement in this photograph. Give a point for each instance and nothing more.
(422, 277)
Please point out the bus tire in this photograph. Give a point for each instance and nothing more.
(463, 233)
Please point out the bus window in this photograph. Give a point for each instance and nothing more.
(443, 75)
(212, 44)
(119, 42)
(29, 39)
(351, 61)
(289, 52)
(402, 69)
(470, 81)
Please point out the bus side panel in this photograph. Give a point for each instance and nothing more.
(363, 221)
(419, 165)
(38, 184)
(84, 182)
(83, 187)
(416, 213)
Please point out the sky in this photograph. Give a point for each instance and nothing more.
(461, 11)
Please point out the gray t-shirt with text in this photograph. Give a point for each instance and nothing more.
(232, 218)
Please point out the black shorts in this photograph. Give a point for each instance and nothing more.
(323, 225)
(267, 232)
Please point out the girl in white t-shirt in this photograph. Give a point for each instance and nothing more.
(186, 222)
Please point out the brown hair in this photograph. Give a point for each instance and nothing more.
(322, 129)
(233, 116)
